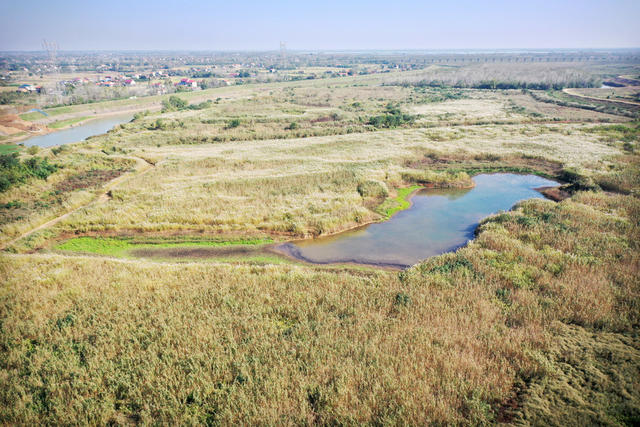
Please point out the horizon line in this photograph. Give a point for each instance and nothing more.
(351, 50)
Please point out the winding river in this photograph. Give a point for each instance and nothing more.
(79, 133)
(438, 221)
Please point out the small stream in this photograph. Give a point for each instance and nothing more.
(79, 133)
(438, 221)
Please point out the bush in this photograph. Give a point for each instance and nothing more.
(438, 179)
(13, 171)
(402, 299)
(33, 150)
(158, 124)
(59, 149)
(233, 123)
(174, 103)
(201, 106)
(393, 117)
(141, 114)
(373, 189)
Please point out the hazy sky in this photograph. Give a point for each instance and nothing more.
(317, 25)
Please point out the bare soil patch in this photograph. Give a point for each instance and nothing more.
(92, 178)
(557, 194)
(11, 124)
(206, 252)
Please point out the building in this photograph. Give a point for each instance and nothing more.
(27, 88)
(188, 83)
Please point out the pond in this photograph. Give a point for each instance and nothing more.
(79, 133)
(438, 221)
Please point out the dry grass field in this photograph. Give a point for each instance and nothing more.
(533, 322)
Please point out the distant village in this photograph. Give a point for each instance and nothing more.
(116, 80)
(152, 78)
(78, 78)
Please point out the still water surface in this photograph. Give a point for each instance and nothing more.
(438, 221)
(79, 133)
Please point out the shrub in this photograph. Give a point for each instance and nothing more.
(373, 188)
(141, 114)
(201, 106)
(402, 299)
(393, 117)
(13, 171)
(233, 123)
(59, 149)
(174, 103)
(438, 179)
(158, 124)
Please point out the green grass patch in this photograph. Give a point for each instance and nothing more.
(32, 115)
(64, 123)
(8, 148)
(395, 204)
(119, 246)
(58, 110)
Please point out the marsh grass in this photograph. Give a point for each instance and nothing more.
(309, 186)
(535, 321)
(73, 183)
(445, 342)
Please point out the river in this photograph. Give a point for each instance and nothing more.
(79, 133)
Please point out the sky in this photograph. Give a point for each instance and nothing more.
(319, 25)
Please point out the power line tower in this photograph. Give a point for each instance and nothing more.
(283, 54)
(52, 51)
(51, 48)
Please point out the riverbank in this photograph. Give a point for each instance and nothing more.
(60, 125)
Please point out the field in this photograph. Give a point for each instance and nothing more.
(137, 284)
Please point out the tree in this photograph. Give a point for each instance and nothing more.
(174, 103)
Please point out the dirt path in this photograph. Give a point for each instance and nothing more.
(622, 102)
(142, 167)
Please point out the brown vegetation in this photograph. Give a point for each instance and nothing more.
(534, 322)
